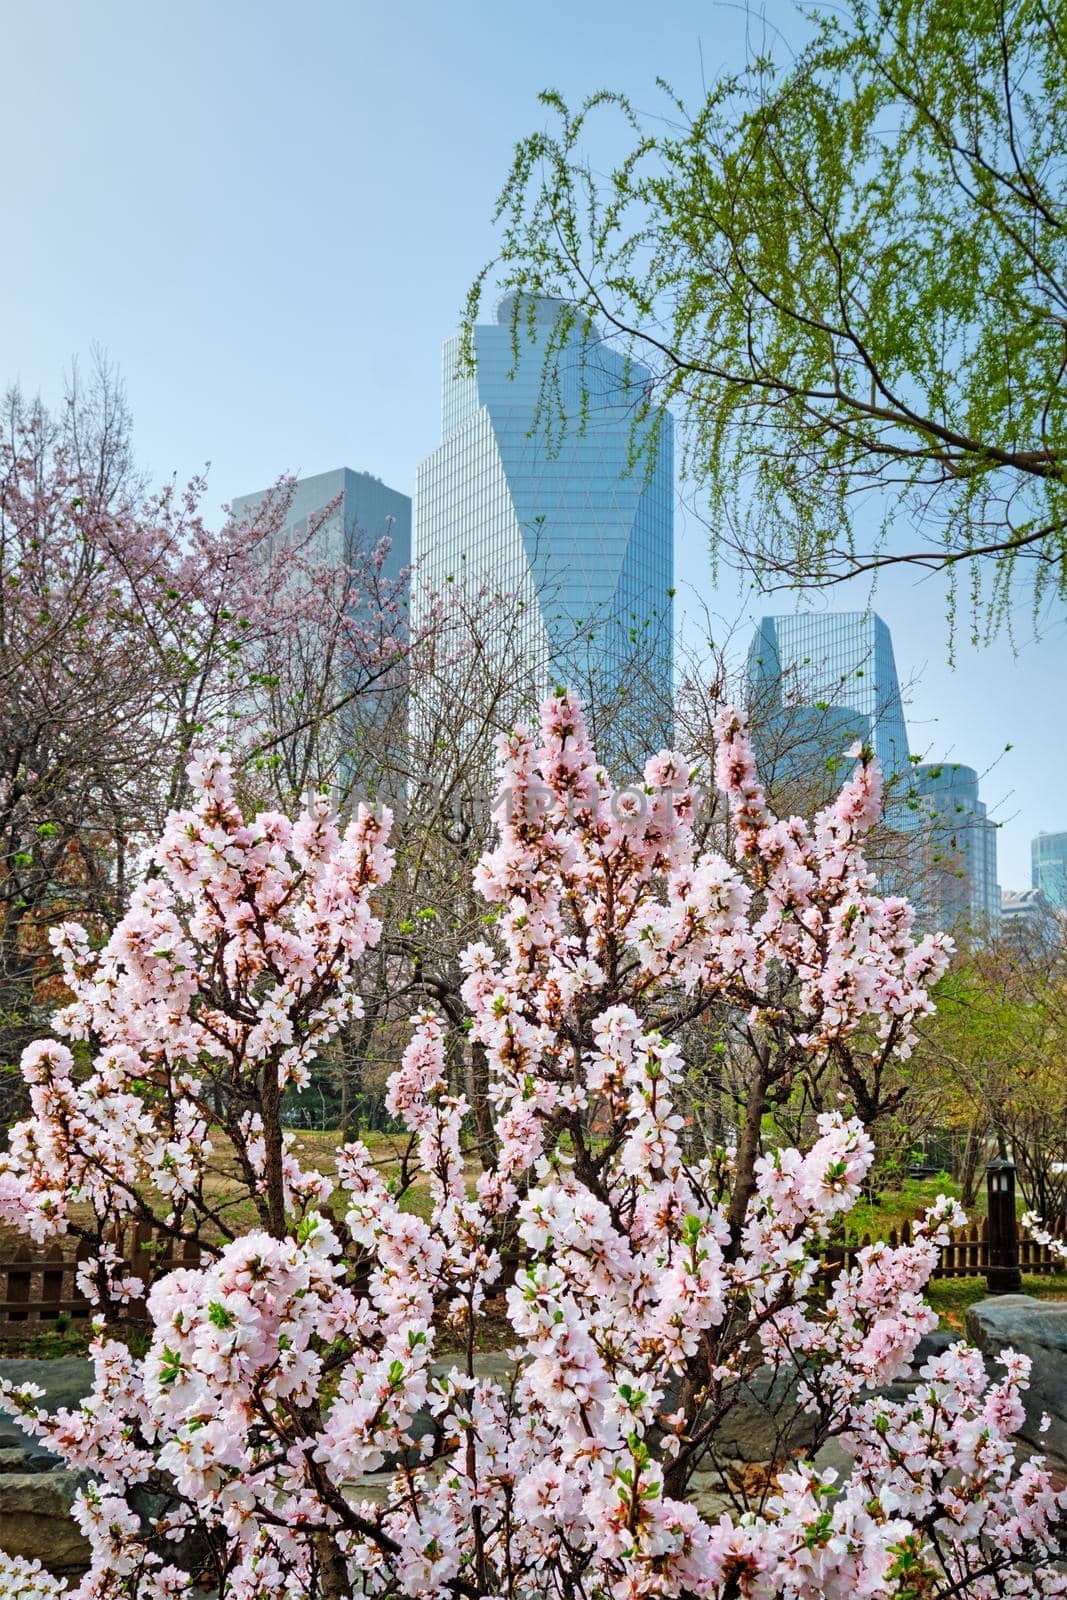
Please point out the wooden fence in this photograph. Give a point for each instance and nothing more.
(967, 1254)
(37, 1286)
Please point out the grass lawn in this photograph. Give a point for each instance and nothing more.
(897, 1206)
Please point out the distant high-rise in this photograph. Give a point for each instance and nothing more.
(565, 525)
(834, 676)
(1030, 921)
(1048, 864)
(819, 682)
(958, 880)
(364, 510)
(354, 511)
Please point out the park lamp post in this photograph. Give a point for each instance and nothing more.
(1002, 1274)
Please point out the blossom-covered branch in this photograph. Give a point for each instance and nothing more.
(657, 1281)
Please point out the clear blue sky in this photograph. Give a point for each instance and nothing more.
(268, 214)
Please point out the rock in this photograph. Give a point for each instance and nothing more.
(36, 1491)
(1038, 1329)
(65, 1381)
(768, 1420)
(900, 1391)
(373, 1486)
(35, 1520)
(833, 1454)
(30, 1458)
(933, 1344)
(709, 1494)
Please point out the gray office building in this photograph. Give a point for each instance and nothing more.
(958, 884)
(360, 510)
(1030, 921)
(819, 681)
(364, 510)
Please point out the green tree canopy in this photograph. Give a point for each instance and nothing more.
(848, 275)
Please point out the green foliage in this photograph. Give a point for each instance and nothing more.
(896, 1206)
(849, 275)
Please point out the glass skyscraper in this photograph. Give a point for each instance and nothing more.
(364, 510)
(835, 667)
(1030, 921)
(1048, 864)
(958, 882)
(534, 493)
(819, 681)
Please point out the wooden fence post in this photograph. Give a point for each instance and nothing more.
(19, 1282)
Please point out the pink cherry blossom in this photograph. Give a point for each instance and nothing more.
(660, 1284)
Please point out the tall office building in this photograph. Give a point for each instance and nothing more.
(830, 676)
(818, 682)
(354, 511)
(1048, 867)
(560, 523)
(958, 882)
(1030, 921)
(363, 510)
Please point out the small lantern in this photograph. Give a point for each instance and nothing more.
(1002, 1274)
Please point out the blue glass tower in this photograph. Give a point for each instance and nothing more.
(535, 493)
(958, 882)
(840, 662)
(1048, 861)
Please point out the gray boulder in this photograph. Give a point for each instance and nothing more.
(933, 1344)
(65, 1381)
(832, 1454)
(712, 1497)
(32, 1458)
(35, 1520)
(1038, 1329)
(36, 1490)
(768, 1419)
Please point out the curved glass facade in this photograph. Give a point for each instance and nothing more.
(535, 492)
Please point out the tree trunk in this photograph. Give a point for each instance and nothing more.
(482, 1111)
(698, 1368)
(333, 1569)
(969, 1166)
(270, 1110)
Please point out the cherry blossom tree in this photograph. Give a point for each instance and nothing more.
(133, 629)
(308, 1351)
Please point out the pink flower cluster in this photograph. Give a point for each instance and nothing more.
(237, 956)
(1034, 1226)
(658, 1286)
(27, 1580)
